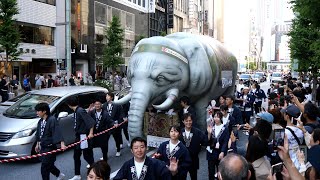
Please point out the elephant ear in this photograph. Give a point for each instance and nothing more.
(200, 69)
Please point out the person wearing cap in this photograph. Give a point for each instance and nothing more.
(246, 102)
(294, 134)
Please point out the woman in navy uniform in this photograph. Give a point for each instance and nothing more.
(218, 137)
(48, 135)
(174, 149)
(247, 101)
(103, 122)
(142, 167)
(193, 139)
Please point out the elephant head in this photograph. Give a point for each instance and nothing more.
(159, 69)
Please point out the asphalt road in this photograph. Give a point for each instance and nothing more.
(31, 171)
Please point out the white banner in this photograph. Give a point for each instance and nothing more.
(151, 6)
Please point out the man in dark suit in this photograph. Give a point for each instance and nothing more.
(193, 139)
(186, 108)
(103, 122)
(234, 111)
(116, 113)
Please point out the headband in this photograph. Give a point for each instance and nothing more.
(160, 49)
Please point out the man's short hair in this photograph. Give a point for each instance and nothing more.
(185, 99)
(111, 95)
(72, 101)
(228, 171)
(311, 111)
(230, 97)
(43, 107)
(138, 139)
(101, 169)
(186, 115)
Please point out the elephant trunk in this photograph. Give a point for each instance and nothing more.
(138, 105)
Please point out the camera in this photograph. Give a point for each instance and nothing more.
(277, 168)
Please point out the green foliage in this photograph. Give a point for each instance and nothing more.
(9, 34)
(138, 38)
(308, 9)
(112, 53)
(304, 42)
(103, 83)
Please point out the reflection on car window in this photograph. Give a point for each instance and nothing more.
(62, 107)
(24, 108)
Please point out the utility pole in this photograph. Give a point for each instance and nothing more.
(68, 39)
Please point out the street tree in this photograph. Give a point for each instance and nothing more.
(9, 33)
(113, 49)
(304, 44)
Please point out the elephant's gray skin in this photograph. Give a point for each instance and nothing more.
(165, 68)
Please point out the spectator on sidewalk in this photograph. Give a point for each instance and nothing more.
(14, 84)
(234, 167)
(50, 81)
(4, 87)
(26, 83)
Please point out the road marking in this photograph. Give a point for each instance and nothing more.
(112, 175)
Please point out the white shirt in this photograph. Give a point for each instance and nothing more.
(172, 146)
(293, 144)
(98, 114)
(239, 87)
(187, 133)
(139, 166)
(217, 129)
(225, 119)
(185, 110)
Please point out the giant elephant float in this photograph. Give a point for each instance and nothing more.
(162, 69)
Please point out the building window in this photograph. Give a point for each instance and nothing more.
(51, 2)
(100, 13)
(36, 34)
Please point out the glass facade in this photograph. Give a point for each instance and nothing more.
(36, 34)
(51, 2)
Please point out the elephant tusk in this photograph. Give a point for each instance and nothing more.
(172, 95)
(124, 100)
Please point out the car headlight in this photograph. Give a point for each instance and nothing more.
(23, 133)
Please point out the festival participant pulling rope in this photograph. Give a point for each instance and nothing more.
(58, 150)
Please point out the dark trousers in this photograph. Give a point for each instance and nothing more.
(257, 107)
(104, 151)
(246, 115)
(47, 165)
(193, 173)
(47, 168)
(212, 165)
(125, 131)
(87, 155)
(117, 136)
(4, 96)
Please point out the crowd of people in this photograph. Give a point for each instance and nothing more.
(283, 140)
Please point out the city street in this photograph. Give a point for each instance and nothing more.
(31, 171)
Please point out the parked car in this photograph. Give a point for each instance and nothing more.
(263, 76)
(18, 123)
(5, 105)
(257, 78)
(276, 77)
(245, 77)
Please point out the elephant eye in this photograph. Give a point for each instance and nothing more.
(161, 79)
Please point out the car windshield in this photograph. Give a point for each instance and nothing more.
(259, 74)
(24, 107)
(247, 76)
(256, 75)
(276, 75)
